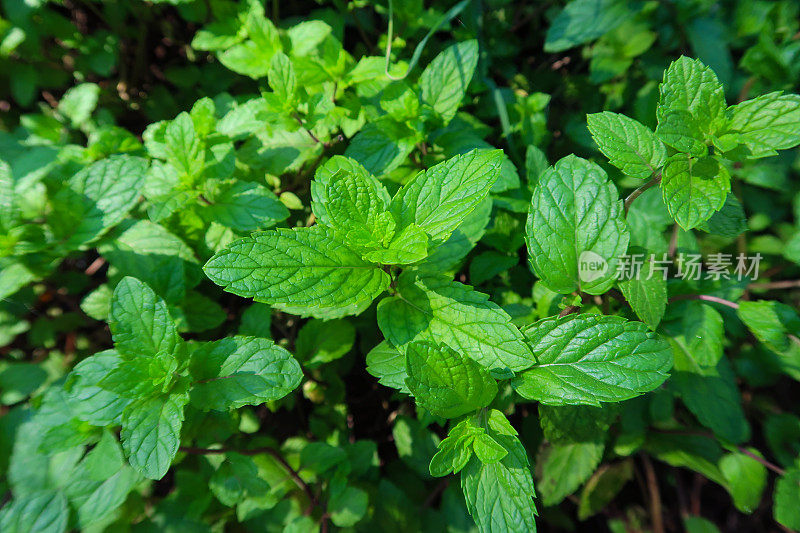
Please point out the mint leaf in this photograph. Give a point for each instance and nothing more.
(771, 322)
(693, 189)
(377, 197)
(582, 21)
(183, 148)
(500, 494)
(43, 511)
(575, 219)
(444, 81)
(691, 86)
(647, 293)
(563, 467)
(699, 333)
(436, 309)
(386, 363)
(150, 434)
(96, 198)
(628, 144)
(140, 322)
(439, 199)
(588, 359)
(323, 341)
(746, 478)
(729, 221)
(307, 270)
(381, 146)
(787, 493)
(245, 207)
(445, 382)
(90, 402)
(238, 371)
(282, 78)
(767, 123)
(677, 128)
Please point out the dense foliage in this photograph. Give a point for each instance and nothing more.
(399, 266)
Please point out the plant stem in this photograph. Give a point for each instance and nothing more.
(635, 194)
(656, 518)
(705, 298)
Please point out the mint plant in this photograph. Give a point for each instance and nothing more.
(323, 266)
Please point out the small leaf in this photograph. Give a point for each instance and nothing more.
(767, 123)
(647, 293)
(628, 144)
(140, 322)
(694, 189)
(150, 434)
(787, 494)
(691, 86)
(445, 382)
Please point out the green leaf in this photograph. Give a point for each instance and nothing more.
(647, 293)
(78, 103)
(282, 78)
(693, 189)
(151, 429)
(603, 487)
(767, 123)
(245, 207)
(386, 363)
(628, 144)
(561, 468)
(415, 443)
(588, 359)
(576, 423)
(787, 494)
(730, 221)
(90, 402)
(697, 524)
(238, 371)
(182, 145)
(444, 81)
(435, 309)
(699, 333)
(374, 196)
(677, 128)
(97, 198)
(746, 478)
(771, 322)
(711, 394)
(582, 21)
(323, 341)
(381, 146)
(307, 271)
(499, 495)
(439, 199)
(306, 36)
(691, 86)
(576, 229)
(445, 382)
(140, 322)
(36, 512)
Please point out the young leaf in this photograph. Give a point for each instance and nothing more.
(767, 123)
(678, 129)
(183, 147)
(691, 86)
(151, 429)
(140, 322)
(282, 78)
(588, 359)
(730, 221)
(436, 309)
(698, 334)
(386, 363)
(445, 382)
(693, 189)
(628, 144)
(440, 198)
(444, 81)
(576, 218)
(603, 487)
(746, 478)
(238, 371)
(500, 494)
(307, 270)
